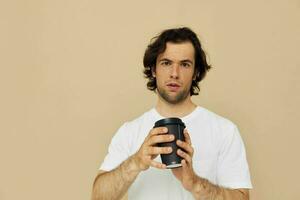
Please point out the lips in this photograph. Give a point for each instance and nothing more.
(173, 86)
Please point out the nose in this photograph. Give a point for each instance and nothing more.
(174, 71)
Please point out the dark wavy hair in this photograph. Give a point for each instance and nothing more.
(158, 46)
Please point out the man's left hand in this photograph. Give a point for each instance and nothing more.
(185, 174)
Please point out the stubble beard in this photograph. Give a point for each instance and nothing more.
(180, 97)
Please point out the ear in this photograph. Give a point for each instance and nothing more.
(194, 76)
(153, 71)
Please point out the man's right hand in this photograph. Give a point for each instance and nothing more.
(149, 150)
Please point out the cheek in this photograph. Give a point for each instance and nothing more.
(188, 77)
(159, 81)
(161, 75)
(159, 71)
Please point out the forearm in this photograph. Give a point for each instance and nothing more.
(114, 184)
(204, 190)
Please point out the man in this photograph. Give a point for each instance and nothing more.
(214, 164)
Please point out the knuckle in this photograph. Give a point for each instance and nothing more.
(159, 139)
(153, 131)
(149, 151)
(155, 150)
(159, 130)
(180, 152)
(149, 141)
(163, 138)
(167, 149)
(192, 150)
(164, 129)
(146, 152)
(167, 137)
(156, 138)
(160, 150)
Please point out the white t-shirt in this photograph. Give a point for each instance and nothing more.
(219, 155)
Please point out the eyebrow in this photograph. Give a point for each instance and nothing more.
(182, 61)
(165, 59)
(187, 61)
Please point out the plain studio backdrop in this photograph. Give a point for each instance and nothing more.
(71, 74)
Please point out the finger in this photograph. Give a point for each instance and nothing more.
(157, 131)
(186, 147)
(160, 139)
(158, 165)
(159, 150)
(184, 165)
(184, 155)
(187, 137)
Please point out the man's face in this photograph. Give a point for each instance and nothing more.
(174, 72)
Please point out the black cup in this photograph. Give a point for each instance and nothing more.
(175, 126)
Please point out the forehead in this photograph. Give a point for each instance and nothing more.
(178, 51)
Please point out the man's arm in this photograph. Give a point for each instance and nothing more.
(203, 190)
(114, 184)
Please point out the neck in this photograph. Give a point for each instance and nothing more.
(181, 109)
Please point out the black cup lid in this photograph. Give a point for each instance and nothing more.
(167, 121)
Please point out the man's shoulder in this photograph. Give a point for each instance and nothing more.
(214, 117)
(142, 118)
(221, 127)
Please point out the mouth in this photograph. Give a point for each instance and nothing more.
(173, 86)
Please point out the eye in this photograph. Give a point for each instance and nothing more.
(185, 64)
(165, 63)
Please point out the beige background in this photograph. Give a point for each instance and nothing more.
(71, 74)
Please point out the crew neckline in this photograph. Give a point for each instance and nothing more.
(184, 118)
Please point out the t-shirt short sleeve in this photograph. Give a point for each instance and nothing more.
(118, 150)
(233, 170)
